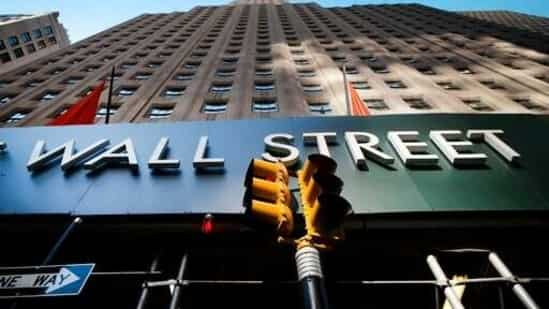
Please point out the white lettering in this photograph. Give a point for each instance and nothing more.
(158, 161)
(321, 140)
(490, 137)
(279, 144)
(361, 144)
(407, 147)
(200, 160)
(38, 158)
(448, 143)
(123, 153)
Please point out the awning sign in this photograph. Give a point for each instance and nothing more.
(42, 281)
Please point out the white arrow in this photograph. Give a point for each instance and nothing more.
(65, 277)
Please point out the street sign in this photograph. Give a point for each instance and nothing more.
(43, 281)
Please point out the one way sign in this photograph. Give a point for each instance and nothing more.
(40, 281)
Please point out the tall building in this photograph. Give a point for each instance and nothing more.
(285, 60)
(447, 179)
(513, 20)
(26, 38)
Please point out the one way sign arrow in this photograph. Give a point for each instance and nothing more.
(43, 280)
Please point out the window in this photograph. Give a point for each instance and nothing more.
(142, 76)
(4, 99)
(214, 107)
(48, 30)
(312, 89)
(349, 70)
(395, 84)
(302, 61)
(18, 52)
(380, 69)
(41, 44)
(30, 48)
(160, 112)
(184, 76)
(16, 117)
(477, 105)
(225, 72)
(13, 41)
(265, 106)
(191, 65)
(25, 37)
(172, 92)
(465, 70)
(528, 104)
(52, 40)
(492, 84)
(72, 80)
(427, 70)
(264, 72)
(126, 91)
(221, 88)
(306, 73)
(154, 64)
(2, 45)
(36, 33)
(264, 59)
(230, 60)
(264, 86)
(127, 65)
(448, 86)
(417, 103)
(48, 96)
(102, 112)
(377, 104)
(320, 107)
(33, 83)
(5, 57)
(360, 85)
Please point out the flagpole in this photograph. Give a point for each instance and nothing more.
(109, 100)
(346, 87)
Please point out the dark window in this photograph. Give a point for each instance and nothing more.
(52, 40)
(142, 76)
(214, 107)
(16, 117)
(160, 112)
(102, 112)
(48, 30)
(36, 33)
(18, 52)
(395, 84)
(30, 48)
(172, 92)
(5, 57)
(265, 106)
(13, 41)
(2, 45)
(527, 103)
(376, 104)
(4, 99)
(360, 85)
(221, 88)
(184, 76)
(72, 80)
(448, 86)
(48, 96)
(320, 107)
(25, 37)
(417, 103)
(41, 44)
(478, 105)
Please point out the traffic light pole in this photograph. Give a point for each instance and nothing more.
(309, 271)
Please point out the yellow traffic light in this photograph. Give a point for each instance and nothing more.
(323, 207)
(267, 196)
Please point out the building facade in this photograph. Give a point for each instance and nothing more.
(267, 60)
(452, 163)
(512, 20)
(26, 38)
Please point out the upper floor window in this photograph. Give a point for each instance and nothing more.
(225, 72)
(172, 92)
(417, 103)
(18, 52)
(102, 111)
(2, 45)
(142, 76)
(5, 98)
(160, 112)
(395, 84)
(5, 57)
(263, 72)
(477, 104)
(360, 85)
(265, 106)
(25, 37)
(529, 104)
(36, 33)
(312, 89)
(448, 85)
(16, 117)
(184, 76)
(320, 107)
(376, 104)
(221, 88)
(306, 73)
(48, 96)
(73, 80)
(214, 107)
(126, 91)
(48, 30)
(13, 41)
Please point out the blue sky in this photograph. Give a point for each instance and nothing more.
(85, 18)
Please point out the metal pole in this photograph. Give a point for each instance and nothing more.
(518, 289)
(309, 273)
(61, 239)
(174, 304)
(145, 291)
(109, 100)
(346, 87)
(439, 274)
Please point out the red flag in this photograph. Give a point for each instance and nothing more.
(359, 108)
(83, 111)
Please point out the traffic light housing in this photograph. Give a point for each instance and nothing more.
(267, 198)
(323, 207)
